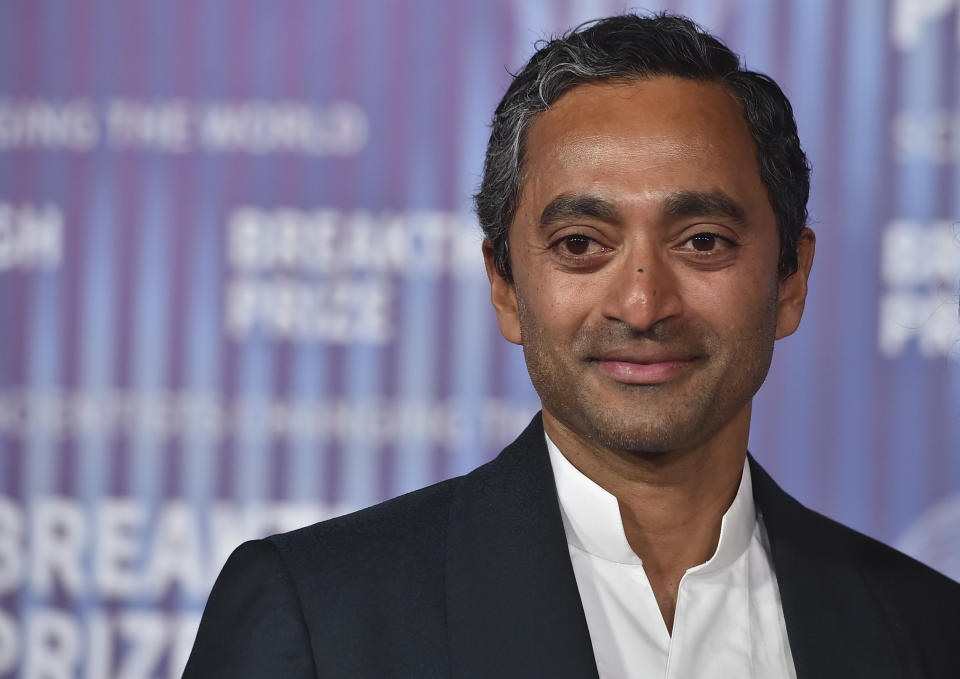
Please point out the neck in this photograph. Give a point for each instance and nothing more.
(672, 503)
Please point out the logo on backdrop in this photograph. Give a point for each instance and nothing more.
(927, 136)
(180, 126)
(31, 237)
(126, 558)
(920, 269)
(912, 17)
(325, 275)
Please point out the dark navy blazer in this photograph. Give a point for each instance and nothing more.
(471, 578)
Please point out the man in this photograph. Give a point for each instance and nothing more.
(644, 206)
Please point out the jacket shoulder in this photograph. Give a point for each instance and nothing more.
(357, 575)
(871, 557)
(410, 521)
(396, 544)
(832, 542)
(251, 626)
(837, 583)
(917, 591)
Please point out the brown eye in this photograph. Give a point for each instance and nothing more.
(704, 242)
(577, 245)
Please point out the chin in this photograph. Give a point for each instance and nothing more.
(645, 438)
(645, 443)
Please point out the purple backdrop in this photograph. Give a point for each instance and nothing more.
(241, 287)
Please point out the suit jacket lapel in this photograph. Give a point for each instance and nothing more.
(512, 601)
(835, 624)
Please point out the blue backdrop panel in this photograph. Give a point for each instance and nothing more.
(241, 287)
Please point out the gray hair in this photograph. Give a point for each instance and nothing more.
(631, 47)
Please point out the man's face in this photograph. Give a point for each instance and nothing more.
(644, 252)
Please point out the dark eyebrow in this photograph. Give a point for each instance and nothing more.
(703, 204)
(569, 206)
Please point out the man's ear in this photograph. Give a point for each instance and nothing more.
(793, 288)
(504, 297)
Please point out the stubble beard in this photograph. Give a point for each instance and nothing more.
(649, 420)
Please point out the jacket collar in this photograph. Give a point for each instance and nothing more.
(512, 601)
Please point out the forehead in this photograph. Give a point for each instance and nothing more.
(657, 134)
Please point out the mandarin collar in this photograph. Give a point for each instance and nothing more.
(592, 522)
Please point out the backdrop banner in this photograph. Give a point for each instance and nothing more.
(241, 287)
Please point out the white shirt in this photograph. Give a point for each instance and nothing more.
(728, 620)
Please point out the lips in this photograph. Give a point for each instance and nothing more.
(645, 367)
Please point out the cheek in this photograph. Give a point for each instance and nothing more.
(566, 297)
(742, 302)
(557, 304)
(575, 297)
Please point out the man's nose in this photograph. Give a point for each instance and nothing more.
(643, 292)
